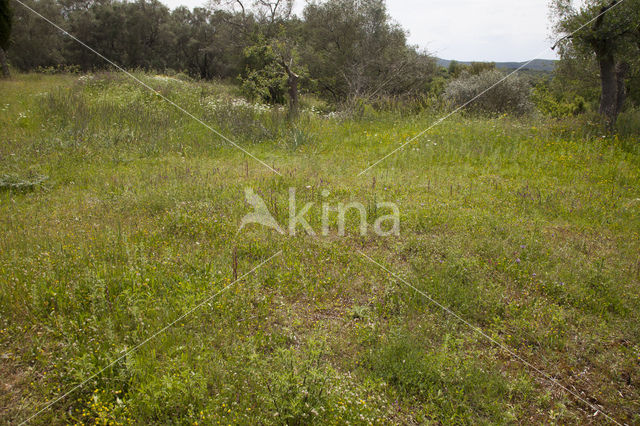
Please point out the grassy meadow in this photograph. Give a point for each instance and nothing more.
(119, 214)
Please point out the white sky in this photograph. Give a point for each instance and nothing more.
(467, 30)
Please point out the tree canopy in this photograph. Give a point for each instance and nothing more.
(341, 49)
(603, 36)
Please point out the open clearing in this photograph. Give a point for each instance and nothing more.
(119, 214)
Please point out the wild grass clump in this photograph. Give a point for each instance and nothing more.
(445, 386)
(16, 183)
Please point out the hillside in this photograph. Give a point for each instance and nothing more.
(536, 65)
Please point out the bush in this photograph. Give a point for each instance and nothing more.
(629, 122)
(263, 79)
(549, 105)
(509, 96)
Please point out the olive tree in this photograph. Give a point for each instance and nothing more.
(511, 97)
(354, 50)
(608, 31)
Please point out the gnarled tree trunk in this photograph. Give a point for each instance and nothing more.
(612, 73)
(614, 90)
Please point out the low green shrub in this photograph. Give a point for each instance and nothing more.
(550, 105)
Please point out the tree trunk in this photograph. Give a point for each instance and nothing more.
(3, 63)
(292, 82)
(204, 69)
(293, 95)
(612, 75)
(622, 69)
(609, 83)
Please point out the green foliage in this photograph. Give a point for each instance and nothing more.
(601, 59)
(264, 77)
(618, 27)
(298, 388)
(441, 381)
(134, 35)
(353, 50)
(253, 42)
(628, 126)
(436, 86)
(549, 105)
(455, 69)
(35, 42)
(477, 68)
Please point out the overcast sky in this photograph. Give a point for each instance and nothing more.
(467, 30)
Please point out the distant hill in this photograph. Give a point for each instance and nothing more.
(547, 65)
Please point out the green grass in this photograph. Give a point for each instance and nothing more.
(125, 216)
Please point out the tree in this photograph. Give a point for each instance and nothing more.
(613, 39)
(262, 76)
(270, 11)
(455, 69)
(273, 11)
(34, 42)
(355, 51)
(273, 70)
(477, 68)
(285, 48)
(5, 34)
(271, 59)
(101, 25)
